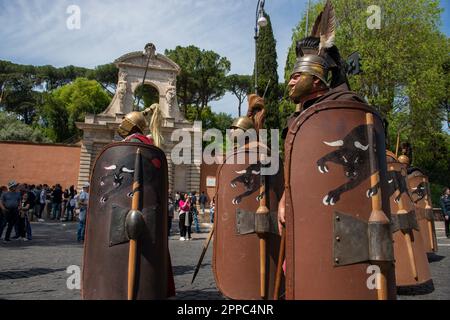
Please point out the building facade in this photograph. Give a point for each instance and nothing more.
(137, 68)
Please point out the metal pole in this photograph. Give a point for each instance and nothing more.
(136, 106)
(307, 18)
(256, 46)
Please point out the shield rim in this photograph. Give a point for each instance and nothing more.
(164, 164)
(289, 142)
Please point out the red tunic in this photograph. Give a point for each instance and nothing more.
(170, 279)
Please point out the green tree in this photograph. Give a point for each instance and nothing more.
(18, 96)
(69, 104)
(145, 95)
(404, 71)
(210, 119)
(107, 75)
(202, 77)
(12, 129)
(22, 86)
(267, 66)
(240, 86)
(53, 78)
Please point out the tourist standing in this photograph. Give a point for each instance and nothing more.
(72, 203)
(31, 200)
(56, 202)
(42, 199)
(202, 200)
(194, 212)
(37, 203)
(65, 204)
(2, 214)
(83, 201)
(212, 207)
(445, 205)
(23, 217)
(170, 214)
(184, 221)
(177, 200)
(48, 201)
(10, 203)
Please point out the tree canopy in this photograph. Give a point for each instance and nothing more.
(202, 77)
(267, 66)
(12, 129)
(69, 104)
(240, 86)
(405, 71)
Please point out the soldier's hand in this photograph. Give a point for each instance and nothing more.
(282, 213)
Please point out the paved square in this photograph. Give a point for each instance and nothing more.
(36, 270)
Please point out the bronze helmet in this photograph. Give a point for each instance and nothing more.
(244, 123)
(404, 159)
(317, 55)
(133, 122)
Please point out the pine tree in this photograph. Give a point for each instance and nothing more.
(267, 71)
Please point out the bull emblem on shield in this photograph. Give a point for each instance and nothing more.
(119, 177)
(397, 184)
(250, 178)
(353, 155)
(419, 191)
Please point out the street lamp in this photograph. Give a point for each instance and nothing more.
(261, 21)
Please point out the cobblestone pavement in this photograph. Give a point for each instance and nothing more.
(37, 269)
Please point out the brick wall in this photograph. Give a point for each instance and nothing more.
(34, 163)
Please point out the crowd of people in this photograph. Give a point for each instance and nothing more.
(185, 206)
(21, 204)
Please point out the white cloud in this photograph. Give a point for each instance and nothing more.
(35, 32)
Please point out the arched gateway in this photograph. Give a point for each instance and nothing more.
(100, 129)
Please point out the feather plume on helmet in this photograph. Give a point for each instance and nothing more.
(156, 121)
(317, 54)
(256, 111)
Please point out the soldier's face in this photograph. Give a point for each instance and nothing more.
(300, 85)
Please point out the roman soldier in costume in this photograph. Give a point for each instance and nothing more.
(419, 189)
(246, 239)
(335, 206)
(411, 263)
(126, 252)
(134, 125)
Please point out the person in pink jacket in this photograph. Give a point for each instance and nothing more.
(184, 218)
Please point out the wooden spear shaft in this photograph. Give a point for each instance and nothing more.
(398, 144)
(276, 292)
(262, 210)
(135, 205)
(377, 215)
(205, 248)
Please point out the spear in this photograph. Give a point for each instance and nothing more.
(377, 216)
(134, 225)
(262, 213)
(281, 256)
(205, 248)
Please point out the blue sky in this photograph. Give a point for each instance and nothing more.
(35, 32)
